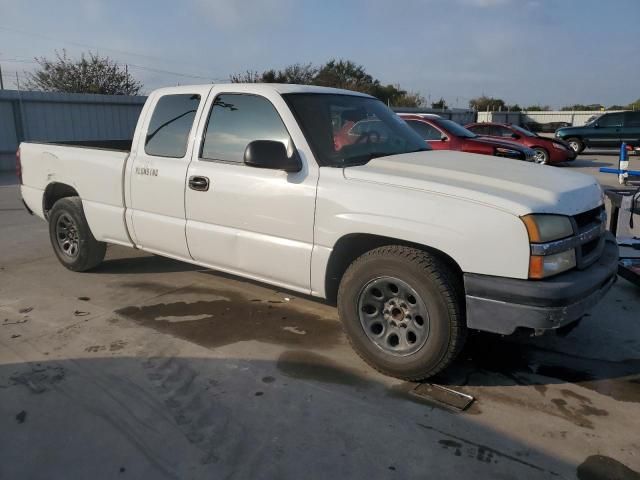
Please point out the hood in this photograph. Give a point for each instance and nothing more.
(514, 186)
(567, 131)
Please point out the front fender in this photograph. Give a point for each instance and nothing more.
(479, 238)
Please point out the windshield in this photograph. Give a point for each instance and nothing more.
(350, 130)
(592, 119)
(523, 131)
(454, 128)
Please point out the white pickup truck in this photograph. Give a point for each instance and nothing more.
(329, 193)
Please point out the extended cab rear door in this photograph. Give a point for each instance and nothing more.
(157, 172)
(245, 220)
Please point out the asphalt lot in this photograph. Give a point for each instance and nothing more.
(151, 368)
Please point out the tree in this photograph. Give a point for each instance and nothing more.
(250, 76)
(483, 103)
(345, 74)
(409, 99)
(635, 105)
(579, 107)
(538, 108)
(337, 74)
(514, 108)
(90, 74)
(302, 74)
(440, 104)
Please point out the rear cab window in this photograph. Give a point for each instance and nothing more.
(171, 122)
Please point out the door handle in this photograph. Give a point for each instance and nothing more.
(200, 184)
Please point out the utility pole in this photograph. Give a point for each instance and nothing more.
(1, 82)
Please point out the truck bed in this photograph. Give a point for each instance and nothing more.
(95, 170)
(120, 145)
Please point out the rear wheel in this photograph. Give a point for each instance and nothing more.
(402, 309)
(576, 144)
(540, 156)
(71, 238)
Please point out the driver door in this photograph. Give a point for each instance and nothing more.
(607, 131)
(250, 221)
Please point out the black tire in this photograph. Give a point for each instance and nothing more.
(74, 245)
(541, 156)
(575, 144)
(438, 290)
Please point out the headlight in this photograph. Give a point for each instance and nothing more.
(507, 151)
(547, 265)
(547, 228)
(559, 146)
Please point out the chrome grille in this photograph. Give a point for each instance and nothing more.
(589, 227)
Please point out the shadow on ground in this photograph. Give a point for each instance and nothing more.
(300, 417)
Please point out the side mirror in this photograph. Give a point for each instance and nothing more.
(272, 155)
(444, 138)
(596, 125)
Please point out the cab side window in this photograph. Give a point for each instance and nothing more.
(170, 124)
(235, 121)
(498, 131)
(426, 131)
(479, 129)
(611, 120)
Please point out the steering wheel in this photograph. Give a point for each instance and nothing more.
(372, 136)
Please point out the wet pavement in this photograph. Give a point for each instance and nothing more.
(151, 368)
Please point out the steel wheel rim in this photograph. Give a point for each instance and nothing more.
(67, 236)
(574, 146)
(393, 316)
(539, 157)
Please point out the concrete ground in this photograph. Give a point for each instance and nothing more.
(150, 368)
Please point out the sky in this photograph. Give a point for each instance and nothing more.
(548, 52)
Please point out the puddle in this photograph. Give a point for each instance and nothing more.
(229, 318)
(599, 467)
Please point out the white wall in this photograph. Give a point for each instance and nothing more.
(576, 118)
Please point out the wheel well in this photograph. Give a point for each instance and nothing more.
(351, 246)
(54, 192)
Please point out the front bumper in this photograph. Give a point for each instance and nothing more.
(501, 305)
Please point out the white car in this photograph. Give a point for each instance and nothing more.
(414, 246)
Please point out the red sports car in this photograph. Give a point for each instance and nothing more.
(443, 134)
(547, 150)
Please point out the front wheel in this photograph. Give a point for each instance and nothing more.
(71, 238)
(540, 156)
(575, 144)
(403, 311)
